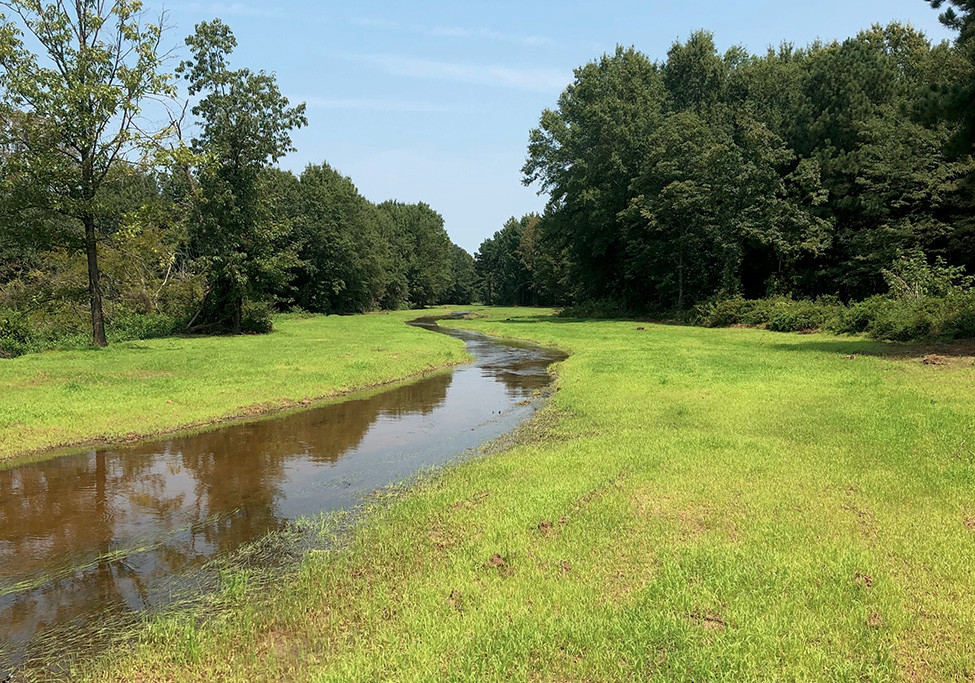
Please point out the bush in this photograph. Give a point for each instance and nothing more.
(946, 317)
(15, 334)
(603, 309)
(128, 326)
(257, 317)
(780, 314)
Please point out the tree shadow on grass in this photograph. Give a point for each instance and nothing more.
(560, 319)
(957, 353)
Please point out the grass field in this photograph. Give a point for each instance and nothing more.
(692, 504)
(136, 389)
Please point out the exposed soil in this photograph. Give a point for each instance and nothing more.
(708, 620)
(952, 354)
(500, 564)
(864, 580)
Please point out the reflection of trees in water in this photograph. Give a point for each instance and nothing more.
(221, 488)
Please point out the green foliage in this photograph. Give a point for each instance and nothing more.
(780, 314)
(803, 172)
(522, 264)
(69, 115)
(911, 276)
(464, 282)
(245, 125)
(925, 318)
(605, 309)
(420, 236)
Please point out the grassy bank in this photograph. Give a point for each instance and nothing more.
(692, 504)
(136, 389)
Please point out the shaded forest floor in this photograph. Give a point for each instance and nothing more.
(691, 504)
(133, 390)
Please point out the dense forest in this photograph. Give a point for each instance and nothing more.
(840, 170)
(109, 230)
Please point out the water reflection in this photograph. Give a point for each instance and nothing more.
(105, 531)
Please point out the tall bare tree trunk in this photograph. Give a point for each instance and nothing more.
(94, 284)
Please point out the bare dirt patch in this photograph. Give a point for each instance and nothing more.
(472, 502)
(708, 620)
(500, 564)
(455, 600)
(953, 354)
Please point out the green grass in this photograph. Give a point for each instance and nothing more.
(692, 504)
(136, 389)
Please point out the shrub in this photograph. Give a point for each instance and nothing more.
(128, 326)
(945, 317)
(604, 309)
(780, 314)
(257, 317)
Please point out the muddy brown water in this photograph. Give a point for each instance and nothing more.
(91, 536)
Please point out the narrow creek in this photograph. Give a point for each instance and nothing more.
(87, 537)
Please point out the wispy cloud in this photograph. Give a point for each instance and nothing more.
(376, 105)
(238, 9)
(456, 32)
(537, 79)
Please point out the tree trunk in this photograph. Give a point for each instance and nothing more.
(94, 284)
(238, 313)
(680, 279)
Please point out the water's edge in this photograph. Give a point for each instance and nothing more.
(317, 463)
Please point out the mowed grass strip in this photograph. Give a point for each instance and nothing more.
(137, 389)
(692, 504)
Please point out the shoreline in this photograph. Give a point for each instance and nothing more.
(133, 402)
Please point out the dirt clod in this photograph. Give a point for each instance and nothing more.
(707, 620)
(970, 522)
(545, 526)
(455, 600)
(864, 580)
(875, 620)
(566, 566)
(640, 329)
(934, 359)
(499, 563)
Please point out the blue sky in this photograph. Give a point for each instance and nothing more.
(433, 101)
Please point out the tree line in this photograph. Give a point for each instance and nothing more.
(825, 170)
(121, 228)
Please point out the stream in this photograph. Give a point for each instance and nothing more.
(118, 531)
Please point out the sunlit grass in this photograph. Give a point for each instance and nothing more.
(692, 504)
(134, 389)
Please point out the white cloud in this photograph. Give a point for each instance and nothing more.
(456, 32)
(375, 105)
(235, 9)
(537, 79)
